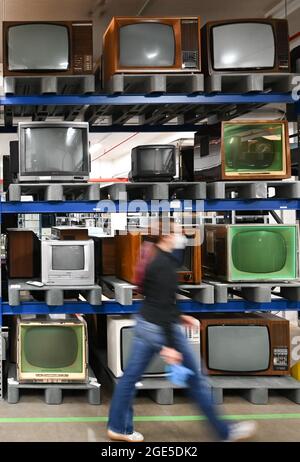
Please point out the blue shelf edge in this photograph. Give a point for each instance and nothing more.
(109, 206)
(112, 307)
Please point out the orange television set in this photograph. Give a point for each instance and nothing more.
(151, 44)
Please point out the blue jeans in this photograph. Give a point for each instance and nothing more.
(148, 340)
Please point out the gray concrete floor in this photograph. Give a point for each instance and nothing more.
(31, 404)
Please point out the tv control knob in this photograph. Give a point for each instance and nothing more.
(187, 277)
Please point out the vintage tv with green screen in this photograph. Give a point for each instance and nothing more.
(52, 350)
(247, 150)
(250, 252)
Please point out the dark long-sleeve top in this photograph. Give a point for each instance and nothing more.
(160, 285)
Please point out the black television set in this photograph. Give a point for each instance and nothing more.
(53, 151)
(243, 45)
(153, 163)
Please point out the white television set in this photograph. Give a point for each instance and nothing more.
(69, 263)
(119, 338)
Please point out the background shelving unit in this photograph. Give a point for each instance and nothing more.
(153, 112)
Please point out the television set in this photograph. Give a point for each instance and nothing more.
(69, 263)
(119, 339)
(128, 249)
(51, 350)
(69, 233)
(245, 344)
(153, 163)
(250, 252)
(247, 150)
(138, 45)
(245, 45)
(53, 151)
(23, 253)
(42, 48)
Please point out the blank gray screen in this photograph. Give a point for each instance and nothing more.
(242, 46)
(238, 348)
(147, 45)
(69, 257)
(156, 366)
(54, 150)
(38, 47)
(157, 160)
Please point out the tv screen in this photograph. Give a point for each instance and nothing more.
(68, 258)
(156, 366)
(238, 348)
(147, 45)
(263, 251)
(245, 45)
(35, 47)
(54, 150)
(254, 148)
(51, 348)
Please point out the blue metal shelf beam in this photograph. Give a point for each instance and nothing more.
(130, 99)
(112, 307)
(93, 206)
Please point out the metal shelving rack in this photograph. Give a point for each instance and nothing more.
(159, 103)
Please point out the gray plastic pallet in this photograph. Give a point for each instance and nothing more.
(70, 85)
(258, 292)
(253, 189)
(255, 389)
(123, 291)
(155, 191)
(54, 295)
(156, 83)
(246, 83)
(54, 191)
(53, 391)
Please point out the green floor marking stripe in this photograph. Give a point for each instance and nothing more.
(154, 418)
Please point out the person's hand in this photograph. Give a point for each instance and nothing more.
(189, 321)
(170, 355)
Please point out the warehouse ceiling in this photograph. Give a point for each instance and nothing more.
(101, 11)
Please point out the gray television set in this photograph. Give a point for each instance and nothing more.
(53, 151)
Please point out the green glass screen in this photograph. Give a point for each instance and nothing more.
(262, 252)
(256, 148)
(52, 348)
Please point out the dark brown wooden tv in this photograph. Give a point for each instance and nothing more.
(23, 253)
(245, 344)
(134, 45)
(128, 249)
(245, 46)
(44, 48)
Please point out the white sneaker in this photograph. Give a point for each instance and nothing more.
(134, 437)
(242, 431)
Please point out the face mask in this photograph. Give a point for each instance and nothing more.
(180, 241)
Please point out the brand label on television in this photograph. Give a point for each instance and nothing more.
(280, 359)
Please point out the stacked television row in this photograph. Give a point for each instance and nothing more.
(133, 45)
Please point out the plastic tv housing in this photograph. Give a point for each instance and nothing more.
(52, 350)
(245, 344)
(250, 252)
(247, 150)
(119, 338)
(68, 263)
(133, 45)
(245, 45)
(153, 163)
(53, 151)
(39, 48)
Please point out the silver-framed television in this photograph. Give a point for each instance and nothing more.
(69, 263)
(53, 151)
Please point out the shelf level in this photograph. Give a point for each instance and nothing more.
(104, 206)
(128, 99)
